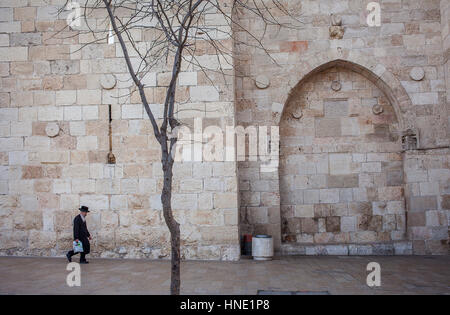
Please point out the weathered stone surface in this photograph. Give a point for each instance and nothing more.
(333, 224)
(421, 204)
(336, 108)
(343, 181)
(328, 127)
(309, 225)
(445, 202)
(25, 39)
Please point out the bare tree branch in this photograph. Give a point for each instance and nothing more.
(179, 35)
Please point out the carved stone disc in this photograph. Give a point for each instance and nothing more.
(336, 86)
(108, 81)
(262, 82)
(52, 129)
(417, 74)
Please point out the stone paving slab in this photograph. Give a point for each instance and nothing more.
(337, 275)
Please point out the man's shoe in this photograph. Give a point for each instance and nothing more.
(69, 258)
(84, 262)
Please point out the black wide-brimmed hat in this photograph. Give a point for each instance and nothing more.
(84, 209)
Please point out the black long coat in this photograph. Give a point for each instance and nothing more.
(80, 232)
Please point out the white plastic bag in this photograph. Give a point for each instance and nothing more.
(77, 247)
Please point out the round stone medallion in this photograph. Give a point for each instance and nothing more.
(52, 130)
(297, 114)
(262, 82)
(417, 74)
(377, 109)
(336, 86)
(108, 81)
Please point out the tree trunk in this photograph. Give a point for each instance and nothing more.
(172, 224)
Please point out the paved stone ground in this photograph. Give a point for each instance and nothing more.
(337, 275)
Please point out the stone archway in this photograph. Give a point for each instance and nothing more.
(260, 193)
(367, 66)
(341, 170)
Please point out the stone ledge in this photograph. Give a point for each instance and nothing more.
(214, 252)
(375, 249)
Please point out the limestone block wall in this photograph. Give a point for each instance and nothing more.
(403, 57)
(52, 81)
(427, 196)
(445, 27)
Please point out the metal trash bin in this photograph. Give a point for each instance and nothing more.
(262, 247)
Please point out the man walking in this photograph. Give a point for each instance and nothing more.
(81, 233)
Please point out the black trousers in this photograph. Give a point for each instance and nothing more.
(86, 249)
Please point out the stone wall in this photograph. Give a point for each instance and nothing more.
(52, 81)
(445, 29)
(54, 134)
(403, 58)
(427, 194)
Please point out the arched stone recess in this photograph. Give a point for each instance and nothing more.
(260, 210)
(367, 66)
(342, 186)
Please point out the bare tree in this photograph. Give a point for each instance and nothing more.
(178, 27)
